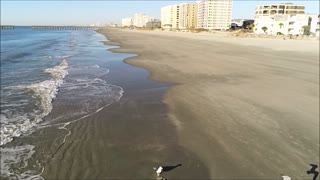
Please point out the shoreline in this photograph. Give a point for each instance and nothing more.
(126, 139)
(209, 106)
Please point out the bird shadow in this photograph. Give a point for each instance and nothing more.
(170, 168)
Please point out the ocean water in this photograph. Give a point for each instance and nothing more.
(37, 67)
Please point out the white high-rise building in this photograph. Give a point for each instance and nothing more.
(126, 22)
(187, 15)
(179, 16)
(214, 14)
(167, 16)
(140, 20)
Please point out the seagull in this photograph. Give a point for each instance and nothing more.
(159, 170)
(286, 178)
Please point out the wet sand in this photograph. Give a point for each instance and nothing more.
(123, 141)
(248, 110)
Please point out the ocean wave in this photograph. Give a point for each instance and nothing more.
(45, 57)
(90, 95)
(58, 72)
(15, 155)
(63, 57)
(44, 92)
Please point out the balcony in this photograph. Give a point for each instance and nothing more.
(273, 12)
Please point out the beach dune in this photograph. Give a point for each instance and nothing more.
(249, 108)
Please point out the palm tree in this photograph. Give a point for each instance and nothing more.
(264, 28)
(306, 30)
(281, 25)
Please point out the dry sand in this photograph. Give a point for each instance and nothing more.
(249, 108)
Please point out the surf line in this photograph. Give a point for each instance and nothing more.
(64, 126)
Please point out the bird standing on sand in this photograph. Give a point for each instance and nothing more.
(286, 178)
(159, 170)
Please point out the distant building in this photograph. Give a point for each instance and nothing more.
(167, 16)
(140, 20)
(238, 22)
(275, 9)
(179, 16)
(315, 25)
(247, 23)
(241, 23)
(214, 14)
(287, 24)
(170, 16)
(188, 15)
(126, 22)
(154, 24)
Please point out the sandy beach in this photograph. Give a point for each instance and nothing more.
(122, 141)
(248, 108)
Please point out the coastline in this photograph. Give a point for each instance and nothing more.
(126, 139)
(213, 114)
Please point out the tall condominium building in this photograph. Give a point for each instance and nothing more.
(214, 14)
(188, 15)
(126, 22)
(170, 16)
(274, 9)
(179, 16)
(166, 16)
(140, 20)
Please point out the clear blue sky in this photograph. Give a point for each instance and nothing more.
(89, 12)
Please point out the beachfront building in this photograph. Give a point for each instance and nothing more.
(286, 24)
(166, 17)
(179, 16)
(156, 23)
(275, 24)
(214, 14)
(170, 16)
(318, 27)
(187, 16)
(126, 22)
(315, 25)
(241, 23)
(140, 20)
(275, 9)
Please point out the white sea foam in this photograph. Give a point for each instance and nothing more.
(45, 57)
(19, 155)
(58, 72)
(62, 57)
(44, 92)
(91, 93)
(95, 66)
(14, 155)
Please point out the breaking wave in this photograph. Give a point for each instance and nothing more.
(14, 124)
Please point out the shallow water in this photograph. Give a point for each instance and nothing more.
(42, 71)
